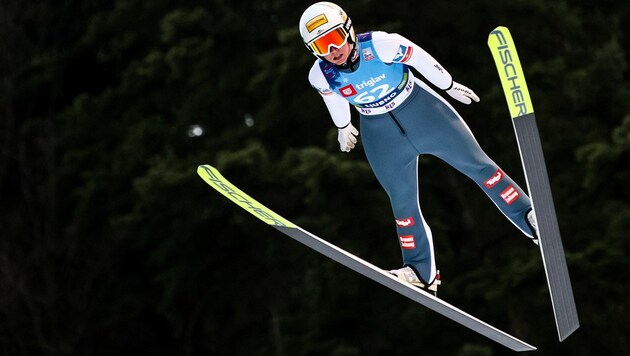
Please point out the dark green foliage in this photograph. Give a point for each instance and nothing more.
(112, 245)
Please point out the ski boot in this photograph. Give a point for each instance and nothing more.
(408, 275)
(531, 221)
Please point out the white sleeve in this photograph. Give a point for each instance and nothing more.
(338, 107)
(392, 47)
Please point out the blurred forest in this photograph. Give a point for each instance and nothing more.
(111, 244)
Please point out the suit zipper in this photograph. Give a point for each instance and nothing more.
(402, 131)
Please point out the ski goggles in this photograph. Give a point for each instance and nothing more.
(335, 37)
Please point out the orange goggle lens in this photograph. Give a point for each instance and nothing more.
(336, 37)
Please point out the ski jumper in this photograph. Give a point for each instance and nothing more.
(402, 118)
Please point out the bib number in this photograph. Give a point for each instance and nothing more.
(373, 95)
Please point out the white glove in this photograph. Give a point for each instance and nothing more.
(462, 93)
(347, 137)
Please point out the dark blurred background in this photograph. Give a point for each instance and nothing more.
(111, 244)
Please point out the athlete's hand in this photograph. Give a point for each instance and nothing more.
(462, 93)
(347, 137)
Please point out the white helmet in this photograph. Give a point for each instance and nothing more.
(323, 25)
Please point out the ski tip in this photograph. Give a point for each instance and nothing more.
(501, 28)
(205, 167)
(213, 177)
(510, 72)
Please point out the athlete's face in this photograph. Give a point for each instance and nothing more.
(339, 55)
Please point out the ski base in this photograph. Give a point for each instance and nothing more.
(212, 176)
(530, 148)
(550, 242)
